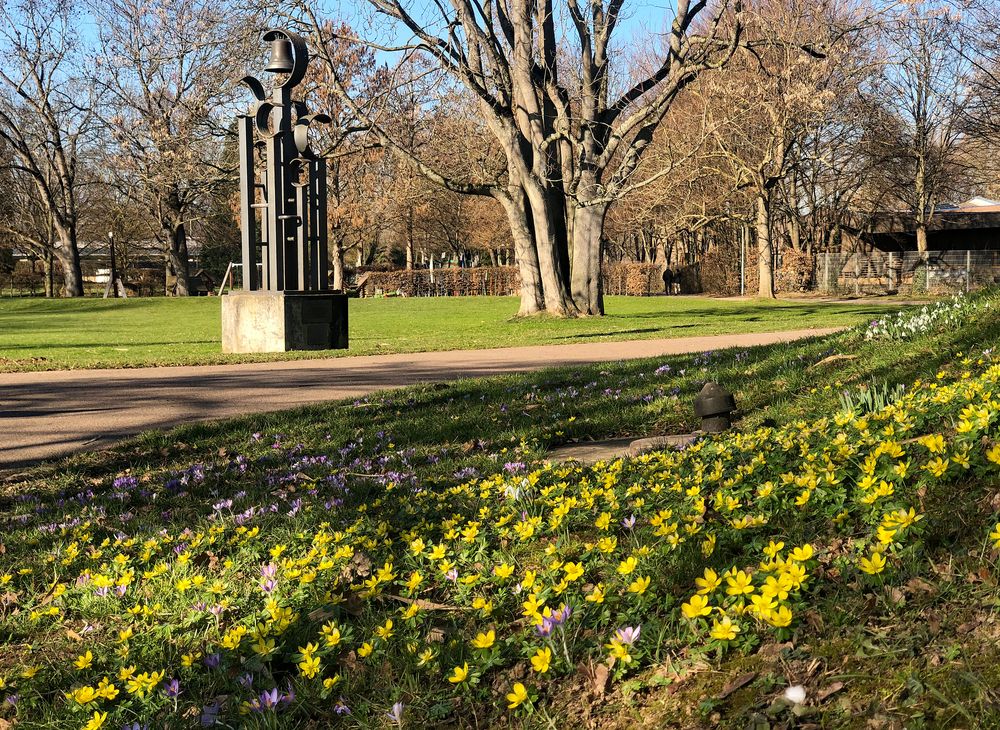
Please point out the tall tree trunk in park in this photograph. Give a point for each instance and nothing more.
(409, 237)
(68, 253)
(337, 261)
(588, 226)
(48, 274)
(765, 248)
(176, 255)
(525, 253)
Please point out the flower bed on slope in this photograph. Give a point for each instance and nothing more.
(303, 587)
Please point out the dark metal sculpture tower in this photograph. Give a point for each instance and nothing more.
(290, 212)
(286, 302)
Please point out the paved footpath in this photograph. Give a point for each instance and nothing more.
(50, 414)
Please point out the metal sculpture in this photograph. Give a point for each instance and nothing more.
(292, 246)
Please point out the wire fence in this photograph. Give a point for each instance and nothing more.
(906, 272)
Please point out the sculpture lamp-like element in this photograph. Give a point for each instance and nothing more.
(290, 213)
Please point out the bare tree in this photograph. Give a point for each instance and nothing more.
(572, 126)
(170, 72)
(46, 115)
(923, 95)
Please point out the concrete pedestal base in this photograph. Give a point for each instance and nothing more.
(264, 321)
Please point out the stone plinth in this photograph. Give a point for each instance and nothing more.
(265, 321)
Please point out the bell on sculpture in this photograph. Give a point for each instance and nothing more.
(281, 57)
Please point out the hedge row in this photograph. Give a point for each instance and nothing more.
(718, 273)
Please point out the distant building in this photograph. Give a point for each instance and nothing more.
(973, 225)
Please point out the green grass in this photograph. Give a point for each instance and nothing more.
(915, 654)
(40, 334)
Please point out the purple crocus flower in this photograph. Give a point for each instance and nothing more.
(628, 635)
(396, 713)
(270, 698)
(173, 688)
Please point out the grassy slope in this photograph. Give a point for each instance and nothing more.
(40, 334)
(919, 653)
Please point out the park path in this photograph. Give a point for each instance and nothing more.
(45, 415)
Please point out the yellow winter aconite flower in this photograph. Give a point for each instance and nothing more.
(993, 453)
(639, 585)
(709, 582)
(365, 649)
(83, 695)
(96, 721)
(309, 667)
(802, 554)
(459, 674)
(573, 571)
(697, 606)
(739, 584)
(773, 548)
(874, 564)
(724, 630)
(541, 660)
(780, 617)
(517, 696)
(84, 661)
(484, 641)
(995, 535)
(628, 565)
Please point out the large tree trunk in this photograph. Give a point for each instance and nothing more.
(409, 237)
(177, 259)
(588, 224)
(47, 272)
(337, 259)
(552, 252)
(765, 249)
(69, 257)
(922, 239)
(525, 255)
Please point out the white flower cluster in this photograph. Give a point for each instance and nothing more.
(935, 317)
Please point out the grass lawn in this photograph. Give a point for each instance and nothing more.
(36, 334)
(412, 555)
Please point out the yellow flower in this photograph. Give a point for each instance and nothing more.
(993, 453)
(485, 641)
(933, 442)
(597, 595)
(573, 571)
(995, 535)
(780, 617)
(709, 583)
(385, 632)
(96, 721)
(541, 660)
(773, 548)
(639, 585)
(83, 695)
(182, 585)
(459, 674)
(873, 565)
(365, 649)
(331, 634)
(697, 606)
(739, 584)
(517, 696)
(84, 661)
(309, 667)
(628, 565)
(802, 554)
(106, 690)
(724, 630)
(503, 571)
